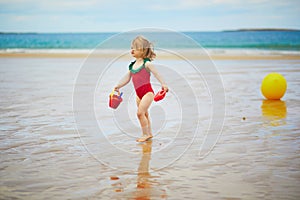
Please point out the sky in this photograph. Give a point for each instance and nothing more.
(125, 15)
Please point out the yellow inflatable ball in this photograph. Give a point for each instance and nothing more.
(273, 86)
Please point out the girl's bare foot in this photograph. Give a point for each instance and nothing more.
(144, 138)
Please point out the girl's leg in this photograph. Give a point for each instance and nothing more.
(149, 124)
(143, 106)
(147, 116)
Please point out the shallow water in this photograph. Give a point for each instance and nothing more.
(42, 155)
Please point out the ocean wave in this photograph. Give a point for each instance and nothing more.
(209, 51)
(46, 51)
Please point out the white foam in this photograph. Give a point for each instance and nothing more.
(210, 51)
(251, 52)
(50, 51)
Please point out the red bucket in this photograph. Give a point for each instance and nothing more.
(115, 100)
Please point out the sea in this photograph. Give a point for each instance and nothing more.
(247, 40)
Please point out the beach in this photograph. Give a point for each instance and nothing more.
(250, 148)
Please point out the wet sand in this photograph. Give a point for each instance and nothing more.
(44, 157)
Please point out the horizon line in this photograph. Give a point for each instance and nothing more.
(185, 31)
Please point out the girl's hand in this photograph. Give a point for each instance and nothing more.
(165, 88)
(116, 89)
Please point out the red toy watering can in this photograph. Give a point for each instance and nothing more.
(115, 100)
(160, 95)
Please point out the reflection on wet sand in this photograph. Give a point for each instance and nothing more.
(43, 157)
(274, 111)
(144, 186)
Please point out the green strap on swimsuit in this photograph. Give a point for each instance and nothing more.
(134, 71)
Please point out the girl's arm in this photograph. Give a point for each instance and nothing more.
(123, 81)
(150, 67)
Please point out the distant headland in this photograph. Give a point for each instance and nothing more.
(261, 29)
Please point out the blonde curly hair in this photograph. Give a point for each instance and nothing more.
(141, 43)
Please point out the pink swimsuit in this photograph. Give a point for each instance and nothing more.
(141, 79)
